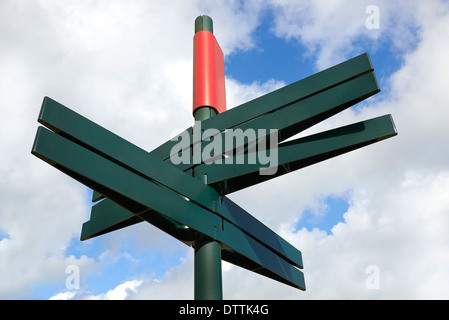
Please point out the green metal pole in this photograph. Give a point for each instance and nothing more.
(208, 274)
(208, 277)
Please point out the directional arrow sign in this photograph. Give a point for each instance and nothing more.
(290, 110)
(91, 163)
(84, 132)
(68, 123)
(181, 189)
(299, 153)
(293, 108)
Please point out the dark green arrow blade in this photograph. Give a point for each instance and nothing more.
(77, 128)
(299, 153)
(125, 187)
(263, 260)
(96, 196)
(139, 195)
(243, 262)
(261, 233)
(292, 118)
(108, 216)
(280, 98)
(306, 113)
(73, 126)
(259, 257)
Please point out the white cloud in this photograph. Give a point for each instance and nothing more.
(234, 21)
(122, 292)
(238, 93)
(335, 29)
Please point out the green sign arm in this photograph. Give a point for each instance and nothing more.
(117, 217)
(117, 212)
(265, 261)
(96, 196)
(243, 262)
(293, 155)
(256, 229)
(107, 216)
(124, 186)
(293, 118)
(68, 123)
(306, 113)
(72, 125)
(138, 195)
(188, 236)
(278, 99)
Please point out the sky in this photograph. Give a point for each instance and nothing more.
(371, 224)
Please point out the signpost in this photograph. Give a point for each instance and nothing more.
(187, 199)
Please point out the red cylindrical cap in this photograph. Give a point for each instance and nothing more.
(208, 73)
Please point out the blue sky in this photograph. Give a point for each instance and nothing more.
(111, 62)
(326, 218)
(271, 58)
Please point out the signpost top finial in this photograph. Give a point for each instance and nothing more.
(204, 23)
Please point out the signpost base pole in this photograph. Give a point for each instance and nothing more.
(208, 282)
(208, 278)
